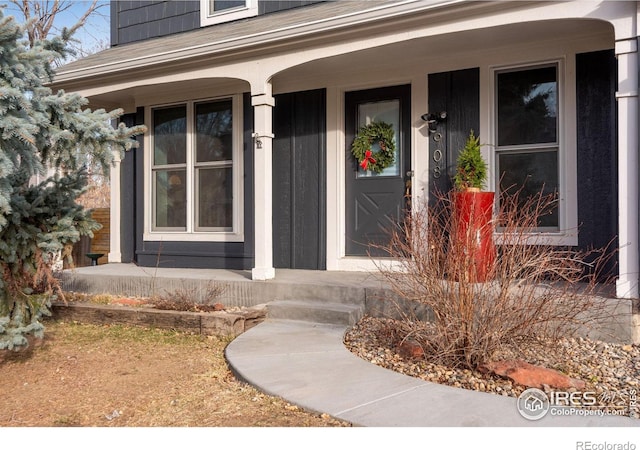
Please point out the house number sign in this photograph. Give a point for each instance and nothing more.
(437, 156)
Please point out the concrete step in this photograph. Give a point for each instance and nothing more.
(315, 311)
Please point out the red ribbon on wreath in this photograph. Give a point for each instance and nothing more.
(367, 159)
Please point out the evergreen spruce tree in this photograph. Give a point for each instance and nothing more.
(42, 132)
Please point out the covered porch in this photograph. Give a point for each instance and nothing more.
(386, 46)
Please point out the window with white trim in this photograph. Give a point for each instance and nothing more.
(527, 136)
(219, 11)
(196, 168)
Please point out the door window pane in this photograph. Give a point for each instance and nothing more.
(215, 198)
(389, 112)
(170, 135)
(214, 137)
(170, 198)
(531, 174)
(527, 106)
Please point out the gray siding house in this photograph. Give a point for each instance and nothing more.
(251, 108)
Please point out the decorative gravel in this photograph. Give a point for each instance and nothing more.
(612, 371)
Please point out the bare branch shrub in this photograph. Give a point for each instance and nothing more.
(192, 299)
(534, 292)
(98, 192)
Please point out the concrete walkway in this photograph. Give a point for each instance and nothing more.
(308, 365)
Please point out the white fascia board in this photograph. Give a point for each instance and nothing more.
(262, 39)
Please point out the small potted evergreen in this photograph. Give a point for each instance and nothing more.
(471, 170)
(473, 213)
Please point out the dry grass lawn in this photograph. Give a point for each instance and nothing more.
(105, 376)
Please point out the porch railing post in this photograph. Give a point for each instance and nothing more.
(115, 252)
(628, 168)
(263, 104)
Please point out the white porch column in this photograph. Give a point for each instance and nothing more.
(628, 201)
(115, 255)
(263, 104)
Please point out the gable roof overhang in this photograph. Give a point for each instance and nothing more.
(255, 50)
(245, 37)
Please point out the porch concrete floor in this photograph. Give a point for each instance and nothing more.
(282, 275)
(239, 289)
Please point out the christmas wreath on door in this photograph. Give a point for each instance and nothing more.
(376, 132)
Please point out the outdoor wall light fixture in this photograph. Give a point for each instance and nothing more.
(433, 119)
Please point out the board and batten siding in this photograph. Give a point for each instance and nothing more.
(458, 94)
(299, 180)
(596, 83)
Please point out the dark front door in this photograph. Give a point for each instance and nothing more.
(376, 202)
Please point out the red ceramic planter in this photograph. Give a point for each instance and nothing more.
(473, 233)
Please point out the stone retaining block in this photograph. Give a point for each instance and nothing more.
(218, 323)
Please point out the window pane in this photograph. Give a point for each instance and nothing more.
(214, 131)
(533, 173)
(221, 5)
(171, 198)
(385, 111)
(527, 106)
(170, 135)
(215, 197)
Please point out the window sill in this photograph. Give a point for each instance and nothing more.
(168, 236)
